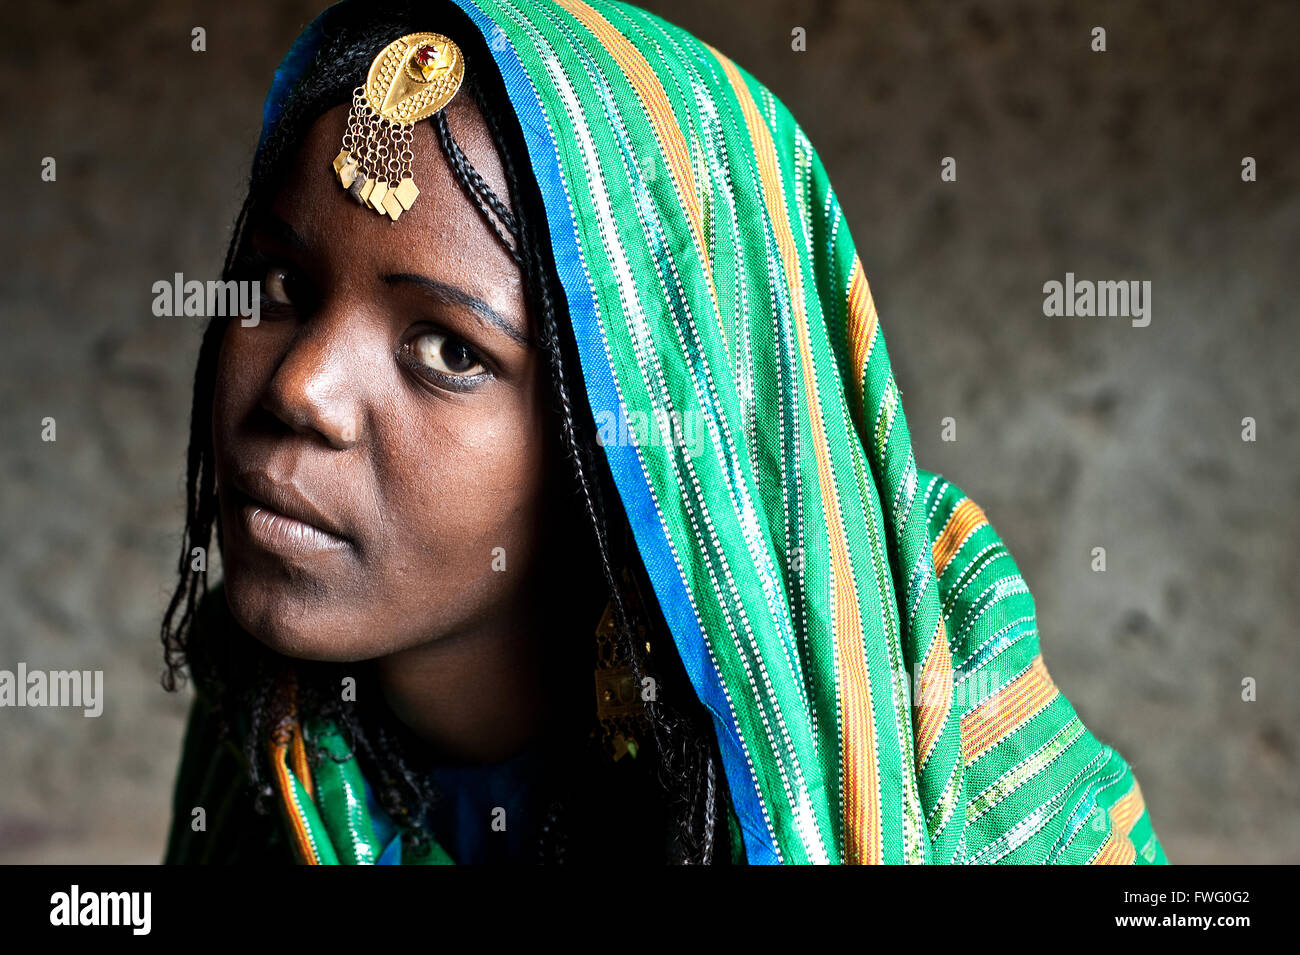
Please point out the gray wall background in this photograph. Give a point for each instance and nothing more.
(1071, 434)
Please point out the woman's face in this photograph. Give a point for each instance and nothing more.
(379, 434)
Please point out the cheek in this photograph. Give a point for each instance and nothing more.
(475, 472)
(464, 481)
(243, 367)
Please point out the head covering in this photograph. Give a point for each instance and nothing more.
(858, 632)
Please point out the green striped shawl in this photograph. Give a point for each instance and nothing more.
(859, 633)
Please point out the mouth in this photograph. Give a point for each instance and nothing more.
(280, 519)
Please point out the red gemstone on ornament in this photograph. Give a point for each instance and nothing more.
(426, 55)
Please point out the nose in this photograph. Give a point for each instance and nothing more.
(316, 387)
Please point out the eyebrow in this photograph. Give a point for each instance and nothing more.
(444, 292)
(454, 295)
(279, 230)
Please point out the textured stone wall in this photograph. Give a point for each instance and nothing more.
(1071, 433)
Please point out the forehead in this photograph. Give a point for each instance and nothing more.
(442, 235)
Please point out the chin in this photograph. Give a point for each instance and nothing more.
(295, 622)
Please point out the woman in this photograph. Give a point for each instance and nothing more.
(605, 405)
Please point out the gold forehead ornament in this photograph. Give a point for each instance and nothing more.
(410, 80)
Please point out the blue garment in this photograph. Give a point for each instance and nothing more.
(385, 832)
(466, 817)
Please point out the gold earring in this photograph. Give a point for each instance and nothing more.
(622, 721)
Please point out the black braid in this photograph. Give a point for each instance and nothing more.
(474, 186)
(710, 810)
(667, 727)
(466, 173)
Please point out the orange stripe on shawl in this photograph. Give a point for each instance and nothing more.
(862, 324)
(934, 695)
(1009, 708)
(862, 812)
(667, 128)
(965, 519)
(282, 741)
(1118, 848)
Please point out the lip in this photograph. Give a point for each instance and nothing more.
(281, 519)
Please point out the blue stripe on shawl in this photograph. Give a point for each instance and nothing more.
(624, 461)
(290, 70)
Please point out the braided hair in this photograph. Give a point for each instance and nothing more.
(247, 685)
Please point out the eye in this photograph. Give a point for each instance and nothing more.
(446, 355)
(276, 285)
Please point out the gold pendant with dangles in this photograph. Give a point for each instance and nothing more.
(410, 80)
(622, 721)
